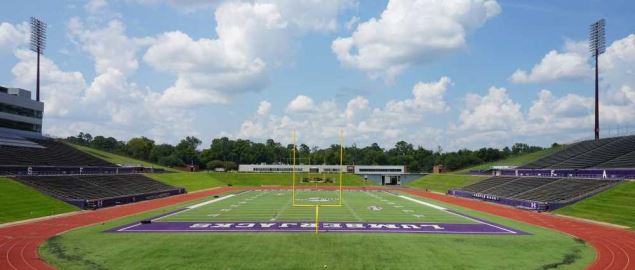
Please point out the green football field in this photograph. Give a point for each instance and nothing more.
(277, 205)
(98, 247)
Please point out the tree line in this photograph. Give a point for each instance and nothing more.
(228, 153)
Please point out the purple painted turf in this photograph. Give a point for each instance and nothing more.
(259, 226)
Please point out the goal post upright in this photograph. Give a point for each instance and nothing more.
(341, 163)
(294, 186)
(293, 168)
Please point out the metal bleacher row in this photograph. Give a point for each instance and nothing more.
(618, 152)
(64, 172)
(542, 189)
(7, 139)
(51, 153)
(92, 187)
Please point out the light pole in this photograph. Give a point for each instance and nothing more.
(597, 46)
(38, 44)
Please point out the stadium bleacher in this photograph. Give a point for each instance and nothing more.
(624, 161)
(519, 185)
(545, 190)
(58, 169)
(617, 152)
(7, 139)
(51, 153)
(96, 187)
(488, 183)
(564, 189)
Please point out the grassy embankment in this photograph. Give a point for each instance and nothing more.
(19, 202)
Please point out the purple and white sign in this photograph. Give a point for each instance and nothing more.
(283, 226)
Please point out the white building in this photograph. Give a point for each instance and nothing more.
(385, 175)
(19, 114)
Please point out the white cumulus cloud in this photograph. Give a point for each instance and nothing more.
(568, 65)
(411, 32)
(13, 36)
(300, 103)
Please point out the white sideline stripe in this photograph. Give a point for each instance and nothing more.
(210, 201)
(482, 222)
(446, 210)
(129, 227)
(195, 206)
(424, 203)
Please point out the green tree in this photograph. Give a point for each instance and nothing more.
(140, 147)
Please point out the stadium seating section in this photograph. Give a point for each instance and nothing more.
(618, 152)
(53, 153)
(540, 189)
(93, 187)
(7, 139)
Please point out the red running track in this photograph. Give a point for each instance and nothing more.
(615, 247)
(18, 244)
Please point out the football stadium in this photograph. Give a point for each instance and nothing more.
(311, 195)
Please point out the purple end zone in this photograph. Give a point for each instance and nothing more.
(482, 227)
(377, 227)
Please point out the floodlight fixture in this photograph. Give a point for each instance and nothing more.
(597, 46)
(38, 44)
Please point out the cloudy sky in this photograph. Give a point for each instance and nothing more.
(454, 73)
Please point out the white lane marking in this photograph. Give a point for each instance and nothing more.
(418, 216)
(210, 201)
(131, 226)
(459, 215)
(213, 215)
(198, 205)
(424, 203)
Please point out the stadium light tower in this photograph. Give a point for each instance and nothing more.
(38, 44)
(597, 46)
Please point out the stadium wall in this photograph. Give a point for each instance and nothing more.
(62, 170)
(577, 173)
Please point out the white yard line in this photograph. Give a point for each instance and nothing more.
(352, 211)
(210, 201)
(282, 209)
(423, 203)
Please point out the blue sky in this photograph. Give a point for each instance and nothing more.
(464, 73)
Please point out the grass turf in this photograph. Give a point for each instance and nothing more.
(616, 205)
(118, 159)
(19, 202)
(189, 181)
(443, 182)
(513, 161)
(277, 206)
(90, 248)
(203, 180)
